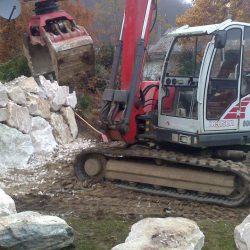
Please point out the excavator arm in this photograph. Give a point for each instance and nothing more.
(120, 107)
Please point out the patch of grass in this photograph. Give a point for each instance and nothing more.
(219, 235)
(99, 234)
(105, 233)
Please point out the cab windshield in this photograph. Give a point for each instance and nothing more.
(186, 56)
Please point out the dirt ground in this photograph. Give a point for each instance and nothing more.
(53, 188)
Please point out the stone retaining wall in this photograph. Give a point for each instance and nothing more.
(34, 119)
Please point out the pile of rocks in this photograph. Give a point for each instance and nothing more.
(34, 119)
(31, 230)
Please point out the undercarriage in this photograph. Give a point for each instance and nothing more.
(166, 173)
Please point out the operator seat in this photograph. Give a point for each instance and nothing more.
(229, 65)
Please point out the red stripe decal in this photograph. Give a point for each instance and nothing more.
(246, 99)
(243, 109)
(231, 116)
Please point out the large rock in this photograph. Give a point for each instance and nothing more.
(164, 234)
(38, 106)
(71, 100)
(61, 129)
(242, 235)
(30, 230)
(17, 95)
(15, 147)
(7, 204)
(41, 135)
(48, 88)
(59, 99)
(19, 117)
(3, 96)
(4, 114)
(29, 85)
(69, 117)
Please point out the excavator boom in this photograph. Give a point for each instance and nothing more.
(119, 109)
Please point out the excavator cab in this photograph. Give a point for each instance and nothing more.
(57, 47)
(206, 84)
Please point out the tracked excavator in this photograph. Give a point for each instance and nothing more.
(56, 47)
(185, 136)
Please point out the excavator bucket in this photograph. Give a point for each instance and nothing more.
(59, 49)
(72, 59)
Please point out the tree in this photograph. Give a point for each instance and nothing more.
(214, 11)
(107, 21)
(11, 33)
(77, 10)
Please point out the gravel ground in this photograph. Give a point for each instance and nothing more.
(49, 185)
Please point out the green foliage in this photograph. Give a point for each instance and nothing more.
(94, 234)
(219, 235)
(14, 68)
(102, 72)
(86, 102)
(105, 56)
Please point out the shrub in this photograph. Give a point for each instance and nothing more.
(102, 72)
(86, 102)
(105, 56)
(14, 68)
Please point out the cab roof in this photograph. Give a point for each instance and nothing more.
(200, 30)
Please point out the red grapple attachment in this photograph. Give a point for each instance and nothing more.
(56, 46)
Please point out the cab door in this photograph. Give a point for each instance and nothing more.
(221, 106)
(245, 84)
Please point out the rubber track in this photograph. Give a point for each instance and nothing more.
(118, 150)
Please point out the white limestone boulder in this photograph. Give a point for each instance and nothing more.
(7, 204)
(59, 99)
(29, 85)
(17, 95)
(242, 235)
(69, 117)
(48, 88)
(61, 130)
(15, 147)
(3, 96)
(33, 231)
(41, 136)
(71, 100)
(38, 106)
(4, 114)
(19, 117)
(163, 234)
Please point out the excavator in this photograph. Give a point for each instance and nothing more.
(56, 47)
(187, 135)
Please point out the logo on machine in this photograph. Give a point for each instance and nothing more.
(221, 124)
(246, 123)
